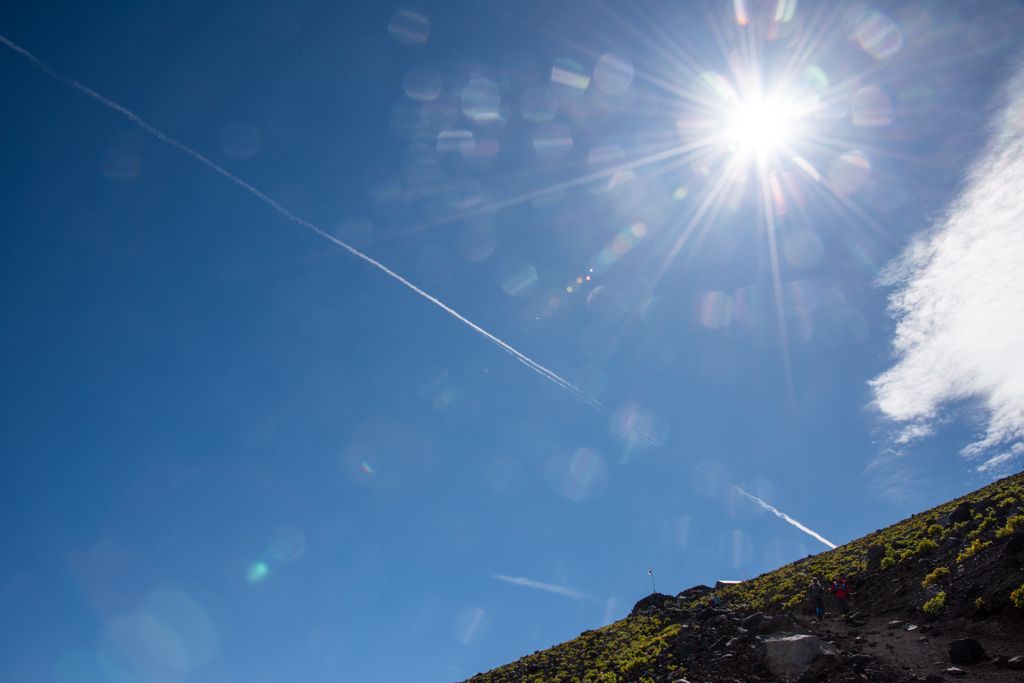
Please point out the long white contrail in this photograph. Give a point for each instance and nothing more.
(136, 119)
(525, 360)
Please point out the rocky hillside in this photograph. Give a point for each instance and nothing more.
(936, 597)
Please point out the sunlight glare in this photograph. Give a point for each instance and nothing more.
(759, 125)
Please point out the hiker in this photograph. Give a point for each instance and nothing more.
(841, 594)
(818, 597)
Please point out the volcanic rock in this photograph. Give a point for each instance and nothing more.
(657, 600)
(808, 676)
(753, 620)
(790, 656)
(965, 651)
(961, 513)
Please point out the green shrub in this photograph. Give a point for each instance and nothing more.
(1013, 525)
(934, 530)
(935, 605)
(986, 523)
(633, 664)
(1007, 502)
(973, 550)
(794, 601)
(888, 561)
(979, 604)
(936, 576)
(1017, 598)
(927, 547)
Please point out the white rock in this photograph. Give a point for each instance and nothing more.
(788, 657)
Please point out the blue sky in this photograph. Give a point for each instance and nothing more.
(232, 450)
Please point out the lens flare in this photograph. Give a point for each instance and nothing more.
(257, 572)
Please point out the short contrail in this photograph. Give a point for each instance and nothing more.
(783, 515)
(533, 365)
(567, 592)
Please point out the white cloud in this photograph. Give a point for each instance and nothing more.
(960, 305)
(567, 592)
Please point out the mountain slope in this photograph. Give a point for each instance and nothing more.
(946, 574)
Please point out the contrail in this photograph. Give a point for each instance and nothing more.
(567, 592)
(525, 360)
(783, 515)
(136, 119)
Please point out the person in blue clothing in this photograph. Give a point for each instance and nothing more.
(841, 594)
(818, 597)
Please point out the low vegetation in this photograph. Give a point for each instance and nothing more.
(1013, 525)
(936, 576)
(976, 547)
(935, 605)
(1017, 597)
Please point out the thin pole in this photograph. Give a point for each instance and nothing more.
(653, 589)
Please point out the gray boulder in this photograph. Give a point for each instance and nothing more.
(962, 513)
(790, 656)
(965, 651)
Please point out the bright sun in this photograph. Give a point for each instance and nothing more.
(759, 125)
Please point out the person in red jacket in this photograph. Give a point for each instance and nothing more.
(841, 594)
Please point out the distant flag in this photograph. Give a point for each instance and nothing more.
(653, 589)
